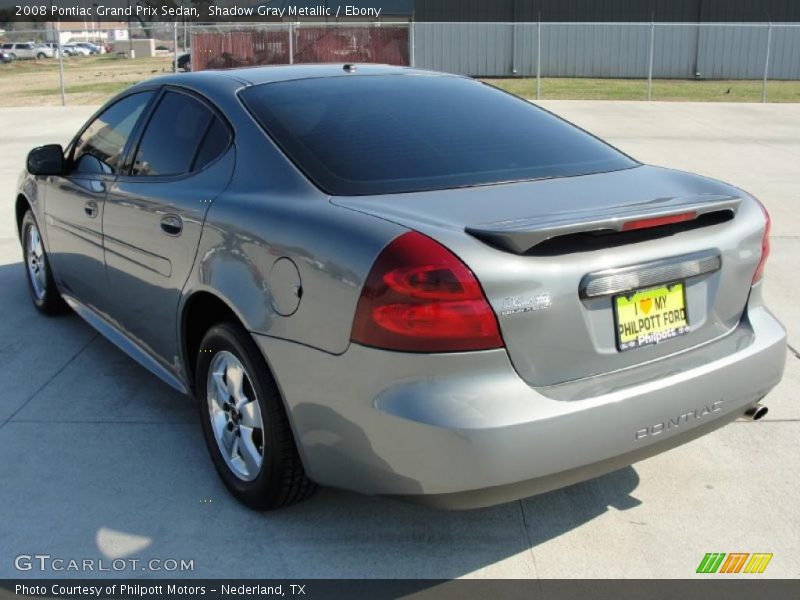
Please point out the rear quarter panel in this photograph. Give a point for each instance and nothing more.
(269, 211)
(333, 250)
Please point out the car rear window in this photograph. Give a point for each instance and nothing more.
(384, 134)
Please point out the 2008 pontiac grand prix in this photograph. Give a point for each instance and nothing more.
(402, 282)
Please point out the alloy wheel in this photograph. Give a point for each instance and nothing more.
(34, 253)
(235, 416)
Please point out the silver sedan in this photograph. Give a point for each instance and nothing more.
(402, 282)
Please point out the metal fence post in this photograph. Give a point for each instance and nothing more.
(61, 66)
(513, 49)
(291, 43)
(175, 46)
(56, 29)
(650, 66)
(539, 60)
(412, 60)
(766, 64)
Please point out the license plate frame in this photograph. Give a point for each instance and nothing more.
(659, 334)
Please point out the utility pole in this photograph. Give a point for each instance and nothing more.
(766, 64)
(539, 57)
(57, 30)
(650, 61)
(130, 37)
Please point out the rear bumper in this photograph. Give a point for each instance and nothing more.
(464, 430)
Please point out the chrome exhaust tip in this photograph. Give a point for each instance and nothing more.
(755, 413)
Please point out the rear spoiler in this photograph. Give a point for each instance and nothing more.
(521, 235)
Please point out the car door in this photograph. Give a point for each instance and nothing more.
(74, 202)
(154, 215)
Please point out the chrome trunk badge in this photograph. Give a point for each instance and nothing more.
(514, 305)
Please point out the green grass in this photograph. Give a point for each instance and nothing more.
(88, 80)
(95, 78)
(663, 89)
(20, 67)
(109, 88)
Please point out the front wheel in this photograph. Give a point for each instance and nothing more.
(41, 285)
(41, 56)
(244, 422)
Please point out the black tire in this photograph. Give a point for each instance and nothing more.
(281, 480)
(50, 302)
(41, 56)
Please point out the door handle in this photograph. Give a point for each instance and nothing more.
(172, 225)
(90, 208)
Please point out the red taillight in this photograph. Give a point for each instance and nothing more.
(419, 297)
(658, 221)
(764, 244)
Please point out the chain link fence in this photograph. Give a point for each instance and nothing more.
(219, 48)
(748, 62)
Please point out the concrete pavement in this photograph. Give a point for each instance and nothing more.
(100, 460)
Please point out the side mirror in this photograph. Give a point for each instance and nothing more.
(46, 160)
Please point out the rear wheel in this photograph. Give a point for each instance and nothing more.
(41, 285)
(244, 422)
(41, 56)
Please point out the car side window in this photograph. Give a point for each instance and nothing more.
(215, 142)
(100, 147)
(183, 135)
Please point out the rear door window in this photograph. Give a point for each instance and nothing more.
(183, 135)
(213, 145)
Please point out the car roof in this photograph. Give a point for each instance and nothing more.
(275, 73)
(218, 84)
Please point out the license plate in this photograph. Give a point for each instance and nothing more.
(650, 316)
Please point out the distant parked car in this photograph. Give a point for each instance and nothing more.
(75, 50)
(185, 62)
(27, 50)
(92, 48)
(54, 47)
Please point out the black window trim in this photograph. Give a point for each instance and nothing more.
(126, 174)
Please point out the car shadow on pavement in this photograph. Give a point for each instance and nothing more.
(101, 460)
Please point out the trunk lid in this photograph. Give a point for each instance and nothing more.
(551, 255)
